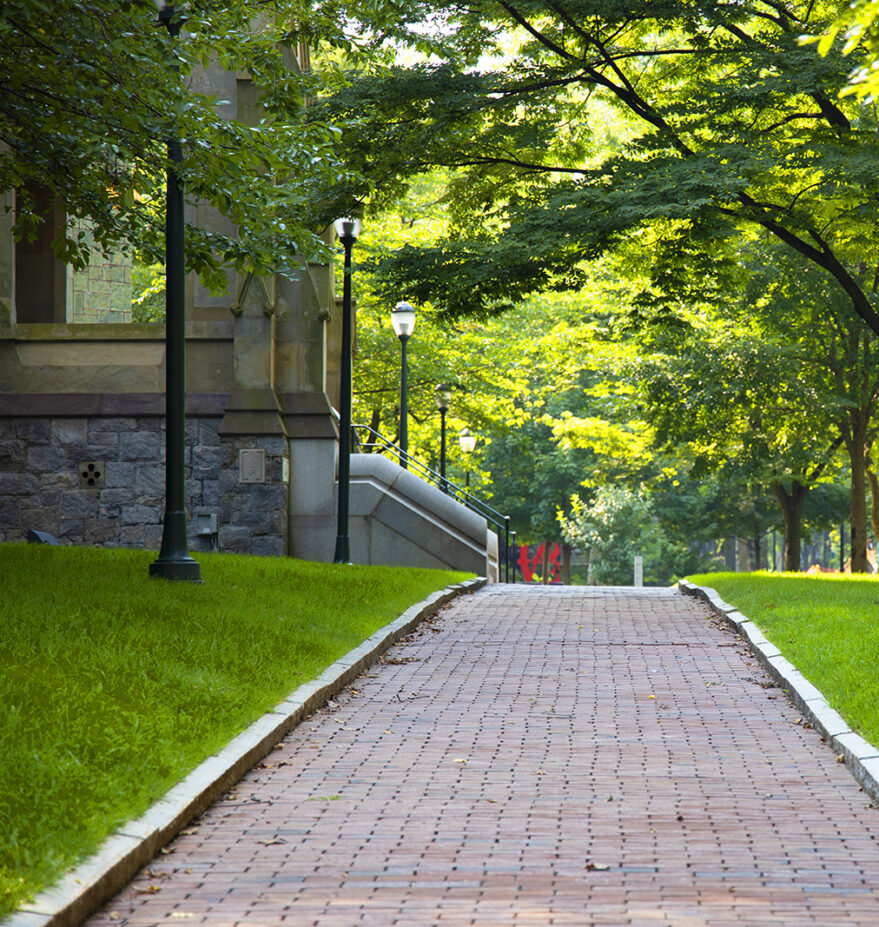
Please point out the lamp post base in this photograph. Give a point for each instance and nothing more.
(178, 568)
(174, 561)
(343, 550)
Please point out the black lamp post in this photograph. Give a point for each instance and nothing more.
(515, 550)
(403, 320)
(443, 396)
(467, 442)
(348, 230)
(174, 561)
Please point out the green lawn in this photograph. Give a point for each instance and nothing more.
(113, 685)
(827, 626)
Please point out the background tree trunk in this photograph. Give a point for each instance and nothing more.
(566, 563)
(791, 504)
(874, 500)
(858, 540)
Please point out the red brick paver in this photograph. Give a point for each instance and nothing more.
(578, 756)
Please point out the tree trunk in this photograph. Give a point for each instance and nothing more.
(858, 541)
(758, 549)
(791, 504)
(854, 430)
(375, 419)
(566, 563)
(545, 568)
(874, 501)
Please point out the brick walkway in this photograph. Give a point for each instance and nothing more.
(580, 757)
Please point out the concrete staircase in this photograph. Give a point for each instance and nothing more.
(396, 518)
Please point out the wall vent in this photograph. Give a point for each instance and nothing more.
(91, 475)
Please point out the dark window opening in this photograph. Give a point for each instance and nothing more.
(40, 278)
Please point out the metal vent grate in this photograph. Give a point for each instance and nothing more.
(91, 475)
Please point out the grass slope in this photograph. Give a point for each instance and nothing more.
(115, 685)
(827, 626)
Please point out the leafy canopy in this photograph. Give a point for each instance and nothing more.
(578, 128)
(90, 93)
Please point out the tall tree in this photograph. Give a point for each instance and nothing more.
(777, 375)
(746, 403)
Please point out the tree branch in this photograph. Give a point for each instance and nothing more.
(516, 162)
(818, 469)
(544, 40)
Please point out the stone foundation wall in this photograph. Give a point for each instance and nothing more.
(253, 516)
(100, 481)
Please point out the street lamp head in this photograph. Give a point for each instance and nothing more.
(348, 228)
(442, 394)
(467, 441)
(403, 320)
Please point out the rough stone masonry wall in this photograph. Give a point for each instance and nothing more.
(46, 483)
(101, 291)
(253, 516)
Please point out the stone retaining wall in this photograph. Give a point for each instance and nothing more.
(100, 480)
(253, 516)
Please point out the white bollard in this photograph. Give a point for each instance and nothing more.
(639, 570)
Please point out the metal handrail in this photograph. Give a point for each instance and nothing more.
(378, 443)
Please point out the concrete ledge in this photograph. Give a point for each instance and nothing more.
(113, 405)
(860, 756)
(398, 518)
(82, 890)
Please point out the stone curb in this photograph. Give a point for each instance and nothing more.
(861, 757)
(82, 890)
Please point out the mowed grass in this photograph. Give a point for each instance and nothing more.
(114, 686)
(827, 626)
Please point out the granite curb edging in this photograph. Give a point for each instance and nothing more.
(860, 756)
(83, 889)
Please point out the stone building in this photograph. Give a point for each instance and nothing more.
(82, 414)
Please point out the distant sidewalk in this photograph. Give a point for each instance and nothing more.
(540, 755)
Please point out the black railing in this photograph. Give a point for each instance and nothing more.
(370, 441)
